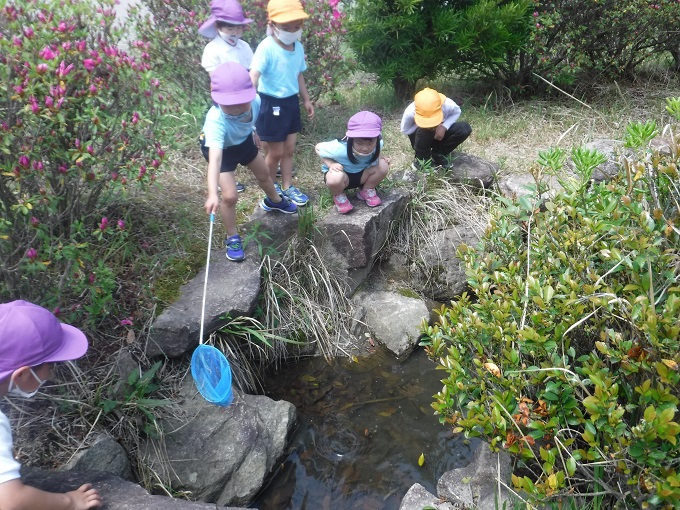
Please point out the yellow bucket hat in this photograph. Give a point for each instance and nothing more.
(284, 11)
(429, 112)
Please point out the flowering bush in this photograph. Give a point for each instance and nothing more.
(77, 132)
(177, 45)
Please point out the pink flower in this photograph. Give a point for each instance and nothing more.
(60, 102)
(126, 322)
(47, 53)
(121, 225)
(91, 278)
(66, 45)
(17, 41)
(35, 107)
(41, 68)
(64, 69)
(81, 45)
(24, 161)
(62, 27)
(90, 149)
(28, 32)
(114, 176)
(104, 223)
(57, 311)
(49, 102)
(93, 89)
(18, 89)
(89, 64)
(35, 222)
(31, 254)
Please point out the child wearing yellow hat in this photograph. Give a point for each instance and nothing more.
(276, 71)
(431, 123)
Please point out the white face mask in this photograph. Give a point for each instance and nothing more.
(231, 40)
(287, 38)
(15, 390)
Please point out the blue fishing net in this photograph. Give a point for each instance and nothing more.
(212, 375)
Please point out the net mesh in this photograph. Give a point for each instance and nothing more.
(212, 375)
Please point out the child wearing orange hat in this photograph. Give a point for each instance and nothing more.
(431, 123)
(276, 71)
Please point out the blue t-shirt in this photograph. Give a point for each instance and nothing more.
(337, 151)
(221, 132)
(278, 68)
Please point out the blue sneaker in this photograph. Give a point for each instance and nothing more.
(285, 206)
(296, 196)
(277, 187)
(235, 248)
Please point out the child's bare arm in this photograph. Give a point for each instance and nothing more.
(214, 164)
(14, 495)
(309, 107)
(255, 77)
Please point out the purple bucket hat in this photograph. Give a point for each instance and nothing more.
(364, 125)
(31, 335)
(231, 84)
(229, 11)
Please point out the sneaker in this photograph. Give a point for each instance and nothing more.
(342, 203)
(278, 172)
(285, 205)
(369, 196)
(277, 187)
(440, 160)
(240, 188)
(296, 196)
(421, 165)
(235, 248)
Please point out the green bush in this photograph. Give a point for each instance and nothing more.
(176, 46)
(566, 353)
(78, 132)
(403, 42)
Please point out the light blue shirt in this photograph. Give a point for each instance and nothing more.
(337, 151)
(278, 68)
(221, 132)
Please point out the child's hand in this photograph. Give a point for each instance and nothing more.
(335, 167)
(440, 132)
(386, 159)
(84, 498)
(310, 109)
(256, 139)
(211, 204)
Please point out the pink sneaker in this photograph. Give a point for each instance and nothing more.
(369, 196)
(342, 203)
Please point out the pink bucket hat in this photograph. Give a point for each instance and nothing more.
(31, 335)
(364, 125)
(229, 11)
(231, 84)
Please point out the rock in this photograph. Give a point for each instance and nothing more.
(118, 494)
(610, 168)
(476, 485)
(221, 454)
(232, 289)
(514, 186)
(106, 455)
(418, 498)
(442, 275)
(394, 319)
(124, 364)
(472, 171)
(352, 241)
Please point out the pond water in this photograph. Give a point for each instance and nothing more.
(362, 426)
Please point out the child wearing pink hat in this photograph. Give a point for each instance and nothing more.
(225, 27)
(32, 340)
(229, 139)
(355, 162)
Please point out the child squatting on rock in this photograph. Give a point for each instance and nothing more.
(32, 340)
(276, 71)
(430, 122)
(229, 138)
(225, 27)
(355, 161)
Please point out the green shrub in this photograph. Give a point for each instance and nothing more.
(403, 42)
(78, 132)
(566, 353)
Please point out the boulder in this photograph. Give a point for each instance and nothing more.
(220, 454)
(118, 494)
(472, 171)
(394, 319)
(351, 241)
(477, 485)
(418, 498)
(232, 289)
(105, 454)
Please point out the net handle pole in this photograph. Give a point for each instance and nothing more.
(205, 282)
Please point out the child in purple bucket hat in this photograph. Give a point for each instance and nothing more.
(32, 340)
(355, 162)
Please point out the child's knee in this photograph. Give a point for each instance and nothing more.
(229, 199)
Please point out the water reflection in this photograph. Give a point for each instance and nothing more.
(361, 428)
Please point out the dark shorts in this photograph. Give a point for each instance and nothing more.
(243, 153)
(354, 179)
(279, 117)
